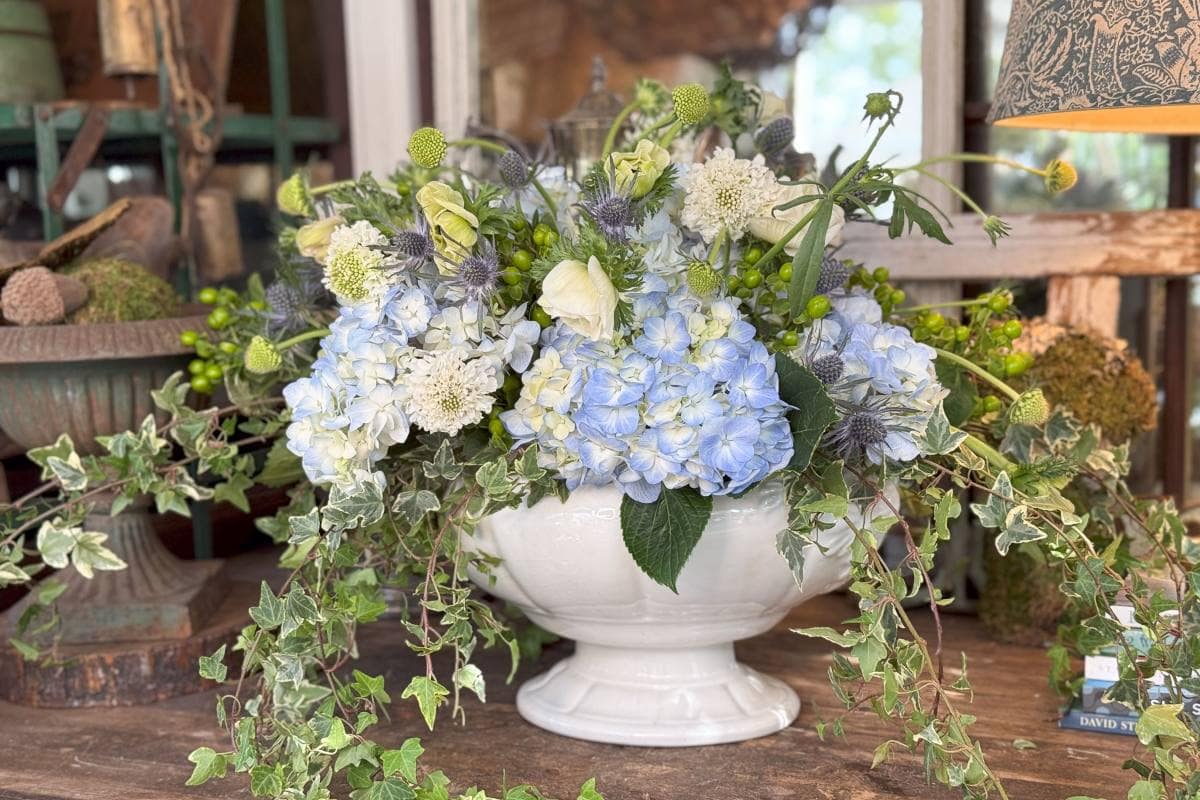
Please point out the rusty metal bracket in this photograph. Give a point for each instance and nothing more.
(80, 154)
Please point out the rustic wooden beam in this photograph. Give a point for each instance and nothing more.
(1086, 243)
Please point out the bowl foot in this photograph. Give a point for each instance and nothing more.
(657, 697)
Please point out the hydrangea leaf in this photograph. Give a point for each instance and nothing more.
(814, 410)
(661, 535)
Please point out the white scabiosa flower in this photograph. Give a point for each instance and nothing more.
(352, 265)
(727, 192)
(448, 392)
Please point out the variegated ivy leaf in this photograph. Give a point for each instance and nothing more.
(69, 472)
(493, 477)
(413, 504)
(1017, 529)
(55, 542)
(469, 677)
(993, 512)
(940, 437)
(172, 397)
(90, 554)
(301, 528)
(62, 448)
(354, 507)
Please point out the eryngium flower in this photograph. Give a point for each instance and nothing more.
(775, 136)
(478, 274)
(834, 275)
(828, 368)
(514, 171)
(611, 210)
(857, 432)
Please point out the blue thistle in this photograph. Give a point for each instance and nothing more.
(612, 210)
(479, 274)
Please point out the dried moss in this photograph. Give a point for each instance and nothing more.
(1021, 602)
(122, 291)
(1099, 381)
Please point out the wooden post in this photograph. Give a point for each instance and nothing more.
(1090, 302)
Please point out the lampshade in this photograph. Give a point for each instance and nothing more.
(1101, 65)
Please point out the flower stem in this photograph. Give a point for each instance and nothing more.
(482, 144)
(989, 453)
(841, 184)
(948, 304)
(545, 196)
(718, 243)
(302, 337)
(978, 371)
(974, 158)
(325, 188)
(670, 134)
(611, 139)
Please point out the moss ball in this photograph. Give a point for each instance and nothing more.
(1098, 379)
(121, 291)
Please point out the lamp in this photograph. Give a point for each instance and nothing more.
(1130, 66)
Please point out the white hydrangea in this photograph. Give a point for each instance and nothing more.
(725, 192)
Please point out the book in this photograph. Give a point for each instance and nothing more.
(1078, 719)
(1092, 699)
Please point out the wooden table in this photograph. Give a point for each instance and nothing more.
(139, 753)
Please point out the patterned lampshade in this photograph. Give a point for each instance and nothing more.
(1101, 65)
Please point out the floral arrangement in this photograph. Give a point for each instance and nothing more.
(672, 323)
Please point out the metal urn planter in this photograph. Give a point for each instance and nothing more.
(89, 381)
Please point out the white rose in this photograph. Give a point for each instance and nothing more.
(582, 296)
(771, 227)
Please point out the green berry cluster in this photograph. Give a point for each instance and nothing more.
(517, 257)
(216, 355)
(985, 336)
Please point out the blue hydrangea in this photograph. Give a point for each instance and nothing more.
(881, 380)
(688, 398)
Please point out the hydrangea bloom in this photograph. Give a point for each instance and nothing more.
(881, 379)
(688, 399)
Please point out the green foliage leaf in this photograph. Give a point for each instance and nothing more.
(589, 792)
(469, 677)
(1147, 790)
(90, 554)
(390, 789)
(336, 738)
(1017, 529)
(404, 760)
(493, 477)
(907, 211)
(62, 449)
(281, 467)
(661, 535)
(1162, 724)
(69, 472)
(413, 504)
(429, 695)
(806, 265)
(266, 781)
(233, 491)
(814, 410)
(939, 437)
(353, 508)
(209, 764)
(213, 667)
(268, 614)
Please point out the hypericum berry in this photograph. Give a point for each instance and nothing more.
(702, 280)
(292, 197)
(196, 366)
(1060, 176)
(935, 322)
(834, 274)
(817, 306)
(828, 368)
(775, 135)
(691, 103)
(189, 338)
(522, 260)
(513, 170)
(1030, 408)
(752, 278)
(540, 316)
(261, 357)
(785, 272)
(1012, 329)
(790, 338)
(752, 255)
(999, 302)
(208, 296)
(427, 147)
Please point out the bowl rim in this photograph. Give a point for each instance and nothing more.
(101, 341)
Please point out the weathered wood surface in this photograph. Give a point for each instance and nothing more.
(139, 753)
(1091, 302)
(1086, 243)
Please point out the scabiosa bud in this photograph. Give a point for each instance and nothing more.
(691, 103)
(1030, 408)
(775, 135)
(292, 197)
(995, 228)
(702, 279)
(427, 147)
(513, 170)
(261, 357)
(834, 274)
(828, 368)
(347, 274)
(878, 105)
(1059, 176)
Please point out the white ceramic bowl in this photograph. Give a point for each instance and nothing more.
(652, 667)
